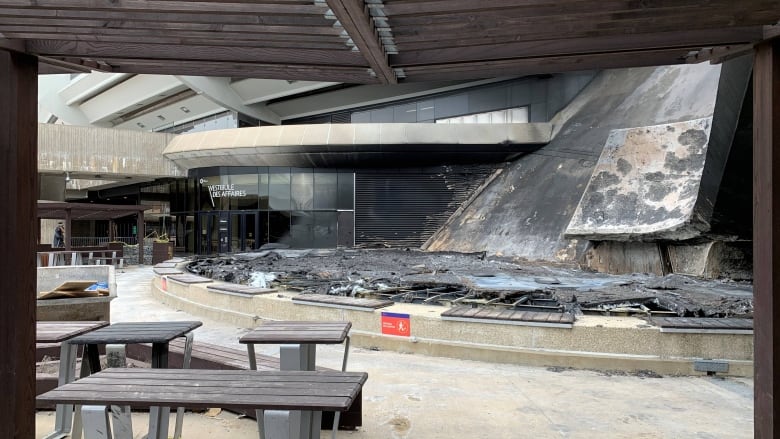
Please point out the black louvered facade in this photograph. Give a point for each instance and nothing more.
(404, 207)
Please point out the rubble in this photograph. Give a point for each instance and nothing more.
(449, 278)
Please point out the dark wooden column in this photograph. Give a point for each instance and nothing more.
(18, 235)
(68, 228)
(766, 236)
(140, 233)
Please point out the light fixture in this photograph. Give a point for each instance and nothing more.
(140, 125)
(184, 109)
(161, 117)
(67, 176)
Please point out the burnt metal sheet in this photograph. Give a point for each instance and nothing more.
(646, 183)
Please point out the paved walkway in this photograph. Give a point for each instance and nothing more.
(414, 396)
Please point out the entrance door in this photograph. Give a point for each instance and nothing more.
(214, 233)
(208, 233)
(224, 233)
(244, 232)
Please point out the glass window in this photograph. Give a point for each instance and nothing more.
(325, 231)
(361, 117)
(262, 230)
(279, 227)
(242, 193)
(302, 229)
(262, 190)
(302, 189)
(382, 115)
(211, 190)
(449, 106)
(325, 190)
(425, 111)
(406, 113)
(192, 196)
(346, 196)
(279, 189)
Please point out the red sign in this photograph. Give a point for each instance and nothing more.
(164, 283)
(396, 324)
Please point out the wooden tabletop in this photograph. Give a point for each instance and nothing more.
(137, 332)
(57, 332)
(296, 332)
(203, 388)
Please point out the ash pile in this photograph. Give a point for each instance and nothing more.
(449, 279)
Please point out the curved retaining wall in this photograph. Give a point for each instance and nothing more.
(603, 343)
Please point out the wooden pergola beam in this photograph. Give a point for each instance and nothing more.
(354, 18)
(54, 48)
(567, 46)
(552, 64)
(353, 75)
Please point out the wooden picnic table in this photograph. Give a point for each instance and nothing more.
(201, 388)
(159, 334)
(60, 332)
(298, 352)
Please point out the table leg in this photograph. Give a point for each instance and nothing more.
(120, 415)
(306, 424)
(77, 424)
(158, 416)
(259, 414)
(96, 424)
(67, 373)
(188, 339)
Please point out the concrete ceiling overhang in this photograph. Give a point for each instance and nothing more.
(87, 211)
(379, 41)
(336, 145)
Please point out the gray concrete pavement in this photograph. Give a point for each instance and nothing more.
(414, 396)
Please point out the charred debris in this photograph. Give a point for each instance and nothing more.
(468, 279)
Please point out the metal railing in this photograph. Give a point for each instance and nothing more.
(96, 241)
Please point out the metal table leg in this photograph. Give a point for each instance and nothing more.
(158, 416)
(337, 415)
(67, 373)
(303, 424)
(188, 339)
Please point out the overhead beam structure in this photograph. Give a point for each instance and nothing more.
(354, 17)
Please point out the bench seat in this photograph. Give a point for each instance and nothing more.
(333, 301)
(508, 317)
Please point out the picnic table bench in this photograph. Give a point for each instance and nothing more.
(210, 356)
(271, 391)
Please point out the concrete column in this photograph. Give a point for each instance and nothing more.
(18, 237)
(766, 236)
(52, 187)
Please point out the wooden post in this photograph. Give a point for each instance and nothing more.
(766, 235)
(18, 236)
(68, 229)
(141, 233)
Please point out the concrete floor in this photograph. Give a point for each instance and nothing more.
(413, 396)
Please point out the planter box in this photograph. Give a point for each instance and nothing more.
(161, 251)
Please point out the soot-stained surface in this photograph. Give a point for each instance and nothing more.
(366, 272)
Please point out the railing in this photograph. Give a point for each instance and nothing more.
(95, 241)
